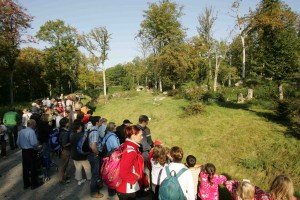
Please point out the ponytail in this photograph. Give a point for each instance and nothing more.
(210, 169)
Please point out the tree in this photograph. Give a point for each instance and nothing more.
(275, 25)
(30, 62)
(161, 26)
(206, 23)
(220, 50)
(62, 55)
(13, 22)
(97, 43)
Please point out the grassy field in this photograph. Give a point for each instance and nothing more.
(242, 142)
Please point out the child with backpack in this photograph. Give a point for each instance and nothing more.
(157, 161)
(209, 182)
(176, 180)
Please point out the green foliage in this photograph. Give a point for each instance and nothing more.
(192, 91)
(176, 93)
(218, 96)
(194, 108)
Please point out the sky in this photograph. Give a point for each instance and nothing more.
(122, 18)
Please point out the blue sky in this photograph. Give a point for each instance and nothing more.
(122, 18)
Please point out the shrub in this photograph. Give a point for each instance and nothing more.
(220, 97)
(192, 91)
(175, 93)
(194, 108)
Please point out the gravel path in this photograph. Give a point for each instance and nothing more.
(11, 183)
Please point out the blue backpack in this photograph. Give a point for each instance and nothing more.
(54, 140)
(170, 188)
(83, 145)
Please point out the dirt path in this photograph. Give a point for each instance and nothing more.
(11, 183)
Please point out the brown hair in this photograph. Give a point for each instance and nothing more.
(282, 188)
(131, 130)
(160, 155)
(210, 169)
(177, 154)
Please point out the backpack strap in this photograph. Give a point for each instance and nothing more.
(168, 171)
(181, 172)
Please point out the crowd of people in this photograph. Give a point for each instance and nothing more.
(146, 167)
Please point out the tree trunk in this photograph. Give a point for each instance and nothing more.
(216, 74)
(146, 82)
(280, 90)
(155, 83)
(209, 69)
(11, 86)
(160, 85)
(174, 86)
(104, 82)
(229, 80)
(244, 57)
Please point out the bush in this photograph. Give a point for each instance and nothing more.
(192, 91)
(175, 93)
(194, 108)
(220, 97)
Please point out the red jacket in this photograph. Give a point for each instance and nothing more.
(131, 165)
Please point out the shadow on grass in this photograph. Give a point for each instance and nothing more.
(269, 116)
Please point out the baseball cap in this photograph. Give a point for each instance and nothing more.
(157, 143)
(126, 121)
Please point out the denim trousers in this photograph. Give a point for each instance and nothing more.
(12, 136)
(95, 168)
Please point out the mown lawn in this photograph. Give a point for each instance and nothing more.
(242, 143)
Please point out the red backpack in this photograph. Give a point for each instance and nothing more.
(110, 169)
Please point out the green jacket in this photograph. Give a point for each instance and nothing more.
(10, 118)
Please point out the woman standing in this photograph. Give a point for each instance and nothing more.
(80, 160)
(131, 165)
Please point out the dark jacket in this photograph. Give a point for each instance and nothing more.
(44, 131)
(74, 138)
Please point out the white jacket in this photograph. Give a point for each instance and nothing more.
(185, 180)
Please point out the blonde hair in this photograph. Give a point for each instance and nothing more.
(282, 188)
(245, 191)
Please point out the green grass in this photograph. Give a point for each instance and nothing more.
(242, 143)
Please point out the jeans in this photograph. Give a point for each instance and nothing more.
(12, 136)
(46, 157)
(96, 179)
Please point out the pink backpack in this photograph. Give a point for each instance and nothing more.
(110, 169)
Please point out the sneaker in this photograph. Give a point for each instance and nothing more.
(81, 181)
(97, 195)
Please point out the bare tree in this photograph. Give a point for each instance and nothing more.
(243, 31)
(205, 30)
(97, 43)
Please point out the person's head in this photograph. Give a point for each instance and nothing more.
(64, 122)
(245, 191)
(111, 127)
(176, 154)
(45, 117)
(282, 188)
(96, 120)
(31, 123)
(127, 122)
(25, 110)
(12, 108)
(160, 154)
(191, 161)
(104, 121)
(80, 116)
(134, 133)
(143, 120)
(90, 112)
(77, 126)
(210, 170)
